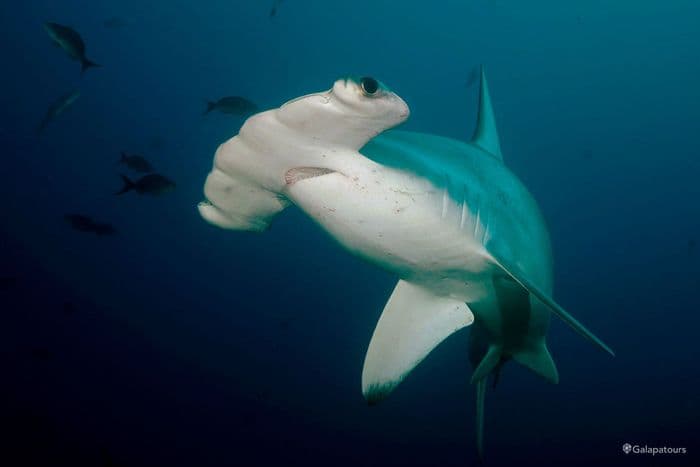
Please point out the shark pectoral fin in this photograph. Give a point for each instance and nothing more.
(538, 360)
(552, 305)
(414, 321)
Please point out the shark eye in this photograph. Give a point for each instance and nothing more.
(369, 86)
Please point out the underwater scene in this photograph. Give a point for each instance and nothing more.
(334, 233)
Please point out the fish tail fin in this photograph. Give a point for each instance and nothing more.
(86, 63)
(128, 185)
(40, 128)
(210, 106)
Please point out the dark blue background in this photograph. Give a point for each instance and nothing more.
(190, 345)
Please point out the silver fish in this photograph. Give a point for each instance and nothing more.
(70, 41)
(57, 108)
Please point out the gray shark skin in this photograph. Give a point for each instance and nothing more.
(460, 231)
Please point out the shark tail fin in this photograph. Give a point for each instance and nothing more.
(128, 185)
(539, 360)
(480, 399)
(42, 126)
(536, 358)
(488, 364)
(210, 106)
(86, 63)
(486, 135)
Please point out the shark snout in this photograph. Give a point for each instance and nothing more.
(368, 98)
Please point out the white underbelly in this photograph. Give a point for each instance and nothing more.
(404, 225)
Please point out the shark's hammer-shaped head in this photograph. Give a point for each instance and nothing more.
(367, 107)
(348, 115)
(312, 135)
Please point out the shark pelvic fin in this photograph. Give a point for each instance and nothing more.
(414, 321)
(486, 135)
(554, 307)
(539, 360)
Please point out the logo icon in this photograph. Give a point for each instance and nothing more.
(627, 448)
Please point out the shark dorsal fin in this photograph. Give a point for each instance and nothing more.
(485, 135)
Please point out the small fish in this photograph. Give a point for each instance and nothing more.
(57, 108)
(275, 6)
(234, 105)
(136, 162)
(71, 42)
(115, 22)
(152, 184)
(83, 223)
(473, 77)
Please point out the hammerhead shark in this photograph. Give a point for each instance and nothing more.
(464, 236)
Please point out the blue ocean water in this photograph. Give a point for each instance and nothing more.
(177, 343)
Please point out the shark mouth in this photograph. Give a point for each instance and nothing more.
(298, 174)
